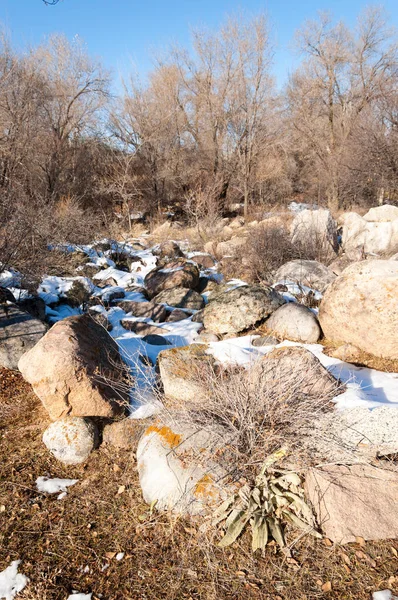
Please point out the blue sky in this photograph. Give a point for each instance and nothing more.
(121, 31)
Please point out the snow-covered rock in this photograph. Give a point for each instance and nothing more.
(294, 322)
(151, 310)
(361, 308)
(236, 310)
(71, 440)
(19, 332)
(72, 367)
(310, 273)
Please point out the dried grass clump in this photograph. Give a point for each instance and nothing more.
(263, 407)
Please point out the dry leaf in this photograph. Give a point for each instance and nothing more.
(346, 558)
(327, 542)
(327, 587)
(347, 570)
(2, 508)
(110, 555)
(121, 489)
(116, 468)
(394, 551)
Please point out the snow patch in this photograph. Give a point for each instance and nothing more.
(12, 582)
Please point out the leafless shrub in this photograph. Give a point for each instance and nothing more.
(267, 249)
(261, 408)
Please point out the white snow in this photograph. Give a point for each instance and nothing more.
(12, 582)
(78, 596)
(54, 486)
(119, 556)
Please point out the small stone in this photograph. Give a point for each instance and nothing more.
(156, 340)
(71, 440)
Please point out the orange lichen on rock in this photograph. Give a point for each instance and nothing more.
(205, 487)
(171, 438)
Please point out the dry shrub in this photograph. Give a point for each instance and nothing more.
(268, 248)
(263, 407)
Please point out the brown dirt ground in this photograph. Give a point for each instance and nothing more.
(65, 544)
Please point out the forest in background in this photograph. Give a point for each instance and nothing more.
(208, 129)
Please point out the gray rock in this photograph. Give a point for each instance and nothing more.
(156, 340)
(266, 340)
(295, 322)
(35, 306)
(71, 440)
(19, 332)
(154, 311)
(177, 315)
(141, 328)
(310, 273)
(123, 435)
(181, 298)
(240, 308)
(178, 273)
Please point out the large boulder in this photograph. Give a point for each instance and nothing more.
(371, 237)
(385, 213)
(169, 250)
(361, 308)
(240, 308)
(294, 322)
(177, 468)
(354, 501)
(19, 332)
(310, 273)
(316, 227)
(179, 273)
(204, 260)
(181, 298)
(71, 440)
(183, 372)
(123, 435)
(76, 370)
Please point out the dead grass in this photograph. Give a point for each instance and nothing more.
(66, 544)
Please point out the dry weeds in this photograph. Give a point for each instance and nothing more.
(66, 544)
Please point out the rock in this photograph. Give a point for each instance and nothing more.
(341, 263)
(35, 306)
(123, 435)
(361, 306)
(6, 296)
(385, 213)
(315, 226)
(154, 311)
(142, 328)
(304, 372)
(101, 319)
(347, 353)
(210, 247)
(72, 370)
(181, 297)
(177, 468)
(169, 250)
(110, 295)
(357, 434)
(71, 439)
(379, 237)
(183, 372)
(156, 340)
(354, 501)
(162, 229)
(177, 315)
(204, 260)
(180, 274)
(294, 322)
(310, 273)
(240, 308)
(19, 332)
(206, 337)
(138, 289)
(266, 340)
(231, 247)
